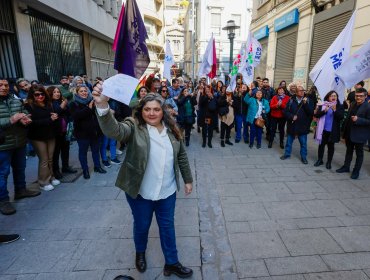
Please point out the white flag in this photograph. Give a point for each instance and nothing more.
(356, 68)
(251, 58)
(323, 74)
(120, 87)
(235, 69)
(207, 62)
(168, 62)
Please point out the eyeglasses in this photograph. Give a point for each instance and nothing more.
(38, 94)
(164, 90)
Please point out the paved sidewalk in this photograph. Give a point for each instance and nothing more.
(251, 216)
(83, 230)
(264, 218)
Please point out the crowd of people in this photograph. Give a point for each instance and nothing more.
(42, 121)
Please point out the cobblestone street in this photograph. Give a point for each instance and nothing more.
(250, 216)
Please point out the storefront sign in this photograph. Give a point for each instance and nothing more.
(261, 33)
(286, 20)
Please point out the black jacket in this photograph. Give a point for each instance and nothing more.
(338, 116)
(42, 127)
(86, 125)
(268, 93)
(359, 131)
(240, 107)
(304, 112)
(208, 108)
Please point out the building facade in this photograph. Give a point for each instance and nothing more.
(210, 17)
(45, 39)
(174, 31)
(294, 34)
(152, 13)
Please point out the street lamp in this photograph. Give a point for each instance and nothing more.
(230, 27)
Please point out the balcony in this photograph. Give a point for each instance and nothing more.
(154, 16)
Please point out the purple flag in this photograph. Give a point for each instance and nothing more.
(132, 56)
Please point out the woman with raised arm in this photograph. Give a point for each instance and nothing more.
(150, 173)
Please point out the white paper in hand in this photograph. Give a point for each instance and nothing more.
(120, 87)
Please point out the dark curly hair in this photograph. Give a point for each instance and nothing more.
(169, 122)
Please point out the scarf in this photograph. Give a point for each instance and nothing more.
(281, 97)
(321, 121)
(83, 101)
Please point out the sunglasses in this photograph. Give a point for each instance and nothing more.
(38, 94)
(164, 90)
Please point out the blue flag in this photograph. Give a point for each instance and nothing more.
(132, 56)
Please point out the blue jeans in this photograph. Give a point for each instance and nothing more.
(241, 122)
(16, 158)
(302, 141)
(256, 132)
(164, 209)
(112, 148)
(83, 146)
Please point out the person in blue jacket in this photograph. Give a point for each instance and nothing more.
(258, 107)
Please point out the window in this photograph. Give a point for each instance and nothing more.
(238, 22)
(176, 44)
(58, 48)
(216, 23)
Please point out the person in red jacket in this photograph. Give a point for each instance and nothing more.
(277, 105)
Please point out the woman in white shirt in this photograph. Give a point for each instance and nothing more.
(150, 173)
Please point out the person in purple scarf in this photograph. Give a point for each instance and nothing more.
(329, 115)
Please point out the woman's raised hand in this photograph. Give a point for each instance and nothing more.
(101, 101)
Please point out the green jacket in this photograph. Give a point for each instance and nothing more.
(15, 134)
(137, 138)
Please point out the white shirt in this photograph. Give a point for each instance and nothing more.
(259, 111)
(159, 181)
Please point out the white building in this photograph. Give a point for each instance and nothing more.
(174, 15)
(210, 17)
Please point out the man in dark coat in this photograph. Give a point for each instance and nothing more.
(299, 113)
(356, 132)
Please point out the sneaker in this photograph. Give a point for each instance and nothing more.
(119, 152)
(6, 208)
(106, 163)
(23, 193)
(47, 188)
(8, 238)
(55, 182)
(115, 161)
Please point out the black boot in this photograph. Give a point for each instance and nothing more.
(222, 143)
(210, 143)
(57, 174)
(328, 165)
(86, 174)
(204, 143)
(282, 144)
(319, 162)
(177, 269)
(140, 262)
(228, 142)
(99, 170)
(270, 145)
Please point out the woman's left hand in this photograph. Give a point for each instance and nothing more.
(188, 188)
